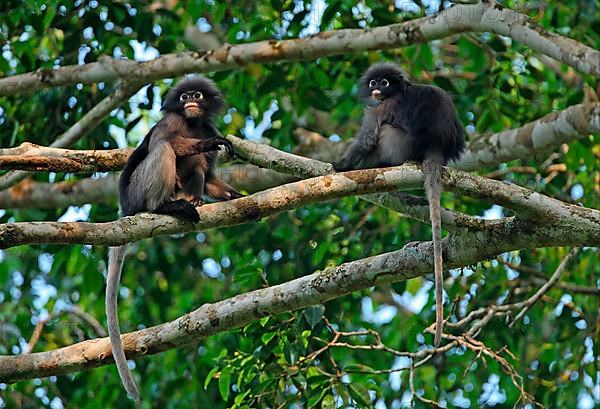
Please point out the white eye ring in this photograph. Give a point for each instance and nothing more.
(384, 83)
(198, 95)
(184, 97)
(372, 83)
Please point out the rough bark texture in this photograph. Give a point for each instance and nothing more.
(540, 136)
(411, 261)
(484, 16)
(577, 225)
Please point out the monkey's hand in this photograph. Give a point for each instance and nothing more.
(213, 144)
(341, 166)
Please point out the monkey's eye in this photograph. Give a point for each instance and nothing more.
(198, 95)
(384, 83)
(372, 83)
(184, 97)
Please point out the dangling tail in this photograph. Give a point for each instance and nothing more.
(116, 255)
(432, 169)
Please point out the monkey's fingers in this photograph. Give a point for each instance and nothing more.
(340, 166)
(229, 146)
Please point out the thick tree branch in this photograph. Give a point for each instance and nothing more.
(539, 136)
(484, 16)
(30, 194)
(84, 126)
(578, 225)
(29, 156)
(411, 261)
(222, 214)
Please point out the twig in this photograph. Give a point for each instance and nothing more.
(544, 288)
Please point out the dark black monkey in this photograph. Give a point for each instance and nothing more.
(168, 173)
(408, 122)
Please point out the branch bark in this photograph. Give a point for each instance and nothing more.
(29, 156)
(579, 226)
(537, 137)
(411, 261)
(221, 214)
(484, 16)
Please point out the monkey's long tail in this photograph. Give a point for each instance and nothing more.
(116, 255)
(432, 169)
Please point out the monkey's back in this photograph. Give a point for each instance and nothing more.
(427, 112)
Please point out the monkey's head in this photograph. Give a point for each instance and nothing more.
(381, 81)
(194, 97)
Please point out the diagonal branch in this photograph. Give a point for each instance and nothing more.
(539, 136)
(221, 214)
(484, 16)
(411, 261)
(547, 286)
(574, 225)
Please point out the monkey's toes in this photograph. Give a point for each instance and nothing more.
(197, 202)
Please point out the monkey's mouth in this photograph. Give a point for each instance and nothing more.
(377, 94)
(192, 109)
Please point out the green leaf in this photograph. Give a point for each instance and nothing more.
(313, 314)
(210, 376)
(328, 402)
(225, 382)
(360, 394)
(267, 336)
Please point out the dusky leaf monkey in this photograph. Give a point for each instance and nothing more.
(168, 173)
(408, 122)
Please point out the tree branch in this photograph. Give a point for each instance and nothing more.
(221, 214)
(484, 16)
(539, 136)
(574, 225)
(414, 260)
(547, 286)
(29, 156)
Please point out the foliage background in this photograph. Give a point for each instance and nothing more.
(496, 84)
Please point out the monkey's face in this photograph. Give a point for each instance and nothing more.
(192, 103)
(194, 98)
(381, 81)
(381, 88)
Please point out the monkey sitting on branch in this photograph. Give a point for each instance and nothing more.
(408, 122)
(168, 173)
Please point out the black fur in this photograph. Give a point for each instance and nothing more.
(423, 118)
(167, 174)
(198, 140)
(407, 121)
(212, 103)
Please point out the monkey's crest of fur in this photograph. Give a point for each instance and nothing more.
(392, 72)
(212, 103)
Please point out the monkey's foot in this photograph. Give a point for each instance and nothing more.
(197, 202)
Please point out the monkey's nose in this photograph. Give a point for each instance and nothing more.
(376, 94)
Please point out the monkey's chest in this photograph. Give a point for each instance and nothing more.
(393, 147)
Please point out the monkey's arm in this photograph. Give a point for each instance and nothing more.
(366, 141)
(211, 132)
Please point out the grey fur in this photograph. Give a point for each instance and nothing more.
(116, 256)
(153, 181)
(432, 170)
